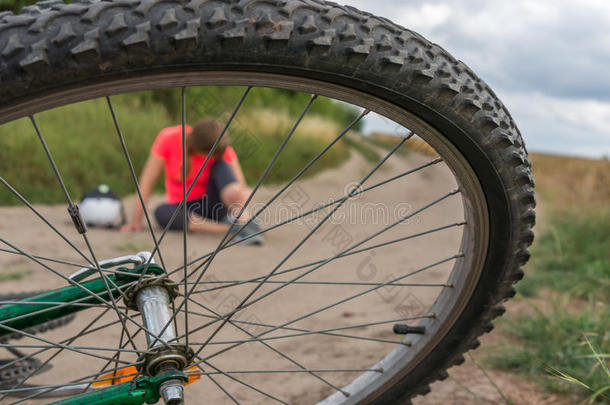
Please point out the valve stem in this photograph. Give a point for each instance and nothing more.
(401, 329)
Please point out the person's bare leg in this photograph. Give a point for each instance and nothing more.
(204, 225)
(234, 196)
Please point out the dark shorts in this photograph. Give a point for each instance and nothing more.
(209, 206)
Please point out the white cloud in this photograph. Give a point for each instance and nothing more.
(429, 15)
(565, 126)
(547, 59)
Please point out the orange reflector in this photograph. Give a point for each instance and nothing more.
(193, 375)
(129, 373)
(117, 377)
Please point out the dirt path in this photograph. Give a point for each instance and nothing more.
(358, 219)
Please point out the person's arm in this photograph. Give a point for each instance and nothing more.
(151, 172)
(238, 172)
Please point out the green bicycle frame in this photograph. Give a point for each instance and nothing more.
(27, 313)
(135, 392)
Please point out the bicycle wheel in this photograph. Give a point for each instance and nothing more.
(285, 325)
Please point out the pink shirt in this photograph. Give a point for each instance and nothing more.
(168, 147)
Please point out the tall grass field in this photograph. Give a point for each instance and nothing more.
(563, 343)
(84, 142)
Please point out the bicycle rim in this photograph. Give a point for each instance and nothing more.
(466, 271)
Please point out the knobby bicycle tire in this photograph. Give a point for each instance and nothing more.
(54, 47)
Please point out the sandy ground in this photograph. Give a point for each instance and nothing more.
(356, 220)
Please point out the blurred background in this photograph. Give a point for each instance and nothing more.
(547, 61)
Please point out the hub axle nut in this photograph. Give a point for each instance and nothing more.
(172, 392)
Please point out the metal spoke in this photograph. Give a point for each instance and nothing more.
(324, 261)
(140, 197)
(46, 259)
(365, 240)
(31, 355)
(58, 345)
(305, 332)
(43, 389)
(55, 345)
(301, 172)
(44, 219)
(278, 352)
(237, 380)
(314, 283)
(201, 327)
(139, 326)
(341, 302)
(59, 351)
(104, 369)
(75, 283)
(118, 353)
(73, 210)
(327, 332)
(308, 333)
(52, 161)
(199, 314)
(201, 168)
(314, 210)
(338, 370)
(235, 401)
(134, 177)
(244, 207)
(302, 242)
(184, 213)
(59, 304)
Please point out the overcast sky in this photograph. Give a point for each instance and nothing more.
(548, 60)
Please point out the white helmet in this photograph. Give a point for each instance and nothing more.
(102, 208)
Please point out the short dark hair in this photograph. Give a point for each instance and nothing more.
(204, 135)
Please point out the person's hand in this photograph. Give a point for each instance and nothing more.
(132, 227)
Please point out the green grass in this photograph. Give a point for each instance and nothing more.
(15, 5)
(360, 146)
(296, 155)
(13, 275)
(545, 345)
(133, 246)
(218, 101)
(573, 256)
(557, 347)
(387, 142)
(85, 146)
(597, 393)
(256, 142)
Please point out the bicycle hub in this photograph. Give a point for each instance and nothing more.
(153, 299)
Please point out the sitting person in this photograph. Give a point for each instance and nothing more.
(217, 196)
